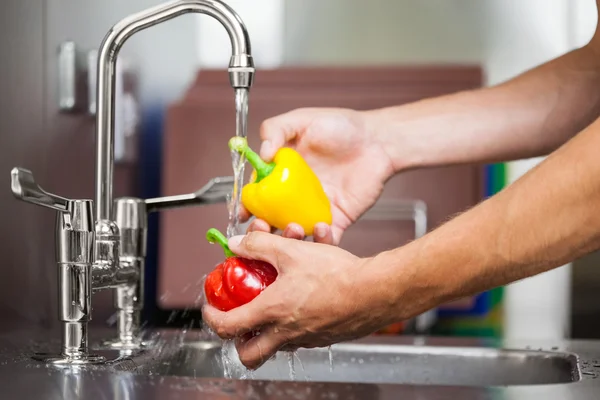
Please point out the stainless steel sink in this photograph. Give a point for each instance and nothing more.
(188, 366)
(367, 363)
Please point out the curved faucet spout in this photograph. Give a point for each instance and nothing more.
(241, 72)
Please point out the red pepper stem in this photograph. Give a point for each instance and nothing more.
(214, 236)
(263, 169)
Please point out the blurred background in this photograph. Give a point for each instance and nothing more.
(175, 113)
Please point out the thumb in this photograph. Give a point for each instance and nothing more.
(262, 246)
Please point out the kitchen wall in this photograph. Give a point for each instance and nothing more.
(164, 55)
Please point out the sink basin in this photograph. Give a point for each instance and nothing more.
(369, 363)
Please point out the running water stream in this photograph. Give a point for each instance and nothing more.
(238, 162)
(231, 365)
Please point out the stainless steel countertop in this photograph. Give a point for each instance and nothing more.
(22, 378)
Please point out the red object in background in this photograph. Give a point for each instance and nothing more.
(237, 280)
(393, 329)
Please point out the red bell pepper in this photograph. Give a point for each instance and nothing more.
(237, 280)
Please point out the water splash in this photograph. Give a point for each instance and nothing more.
(330, 359)
(172, 317)
(226, 360)
(232, 366)
(306, 376)
(201, 298)
(290, 356)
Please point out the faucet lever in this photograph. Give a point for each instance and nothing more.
(74, 235)
(215, 191)
(25, 188)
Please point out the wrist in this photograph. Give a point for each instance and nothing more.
(411, 280)
(394, 131)
(391, 277)
(394, 272)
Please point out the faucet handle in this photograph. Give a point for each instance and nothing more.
(215, 191)
(25, 188)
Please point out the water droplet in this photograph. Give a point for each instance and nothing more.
(165, 296)
(171, 317)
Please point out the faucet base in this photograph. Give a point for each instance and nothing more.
(132, 344)
(64, 360)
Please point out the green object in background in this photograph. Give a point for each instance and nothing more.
(496, 178)
(475, 322)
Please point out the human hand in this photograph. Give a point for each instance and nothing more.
(341, 147)
(322, 295)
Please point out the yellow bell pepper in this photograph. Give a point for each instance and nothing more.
(284, 191)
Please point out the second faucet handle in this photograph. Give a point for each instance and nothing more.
(215, 191)
(24, 187)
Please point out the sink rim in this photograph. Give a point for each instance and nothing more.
(436, 350)
(370, 346)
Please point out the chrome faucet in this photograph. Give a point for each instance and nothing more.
(106, 249)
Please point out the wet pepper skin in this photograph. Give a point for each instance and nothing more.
(237, 280)
(284, 191)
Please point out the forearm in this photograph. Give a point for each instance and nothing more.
(549, 217)
(528, 116)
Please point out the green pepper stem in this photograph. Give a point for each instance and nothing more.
(214, 236)
(263, 169)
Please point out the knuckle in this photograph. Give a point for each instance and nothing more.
(267, 128)
(278, 310)
(251, 241)
(221, 330)
(253, 356)
(286, 255)
(251, 227)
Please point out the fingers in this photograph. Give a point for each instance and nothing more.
(258, 225)
(255, 351)
(277, 131)
(243, 214)
(262, 246)
(323, 233)
(294, 231)
(237, 322)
